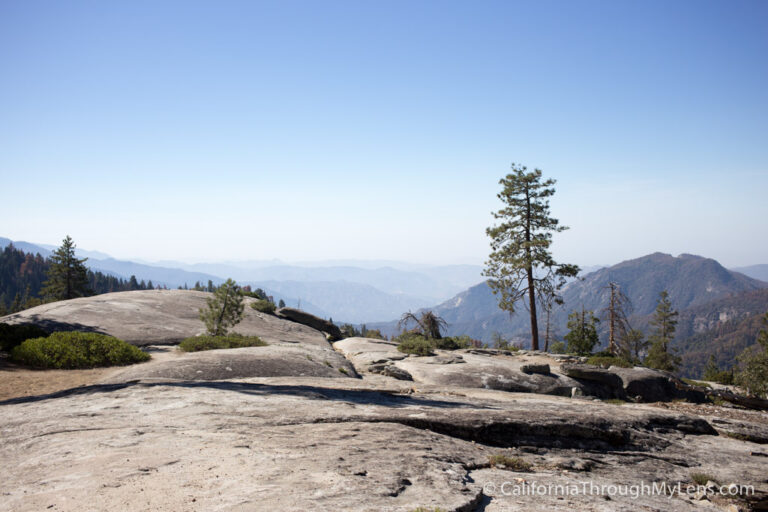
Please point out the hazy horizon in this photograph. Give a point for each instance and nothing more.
(363, 263)
(202, 132)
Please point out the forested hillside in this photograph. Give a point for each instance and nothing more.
(725, 342)
(22, 276)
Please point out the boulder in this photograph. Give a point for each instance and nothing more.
(647, 385)
(364, 352)
(390, 370)
(595, 381)
(310, 320)
(542, 369)
(156, 317)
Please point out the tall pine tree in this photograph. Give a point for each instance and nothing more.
(67, 275)
(520, 265)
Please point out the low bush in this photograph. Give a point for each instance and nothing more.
(557, 347)
(608, 360)
(703, 478)
(509, 463)
(207, 342)
(74, 349)
(414, 344)
(13, 335)
(453, 342)
(722, 377)
(508, 346)
(264, 306)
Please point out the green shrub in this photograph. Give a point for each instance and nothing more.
(77, 350)
(723, 377)
(702, 478)
(207, 342)
(264, 306)
(697, 383)
(509, 463)
(414, 344)
(13, 335)
(608, 360)
(453, 342)
(558, 347)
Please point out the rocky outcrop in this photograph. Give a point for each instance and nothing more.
(522, 371)
(345, 444)
(310, 320)
(156, 317)
(281, 427)
(270, 361)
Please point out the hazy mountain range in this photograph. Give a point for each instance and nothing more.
(720, 309)
(347, 291)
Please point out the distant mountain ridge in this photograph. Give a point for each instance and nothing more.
(690, 281)
(754, 271)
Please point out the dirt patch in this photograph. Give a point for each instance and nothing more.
(17, 381)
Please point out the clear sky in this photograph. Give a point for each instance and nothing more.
(226, 130)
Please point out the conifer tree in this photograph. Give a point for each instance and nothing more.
(582, 336)
(711, 371)
(753, 374)
(664, 323)
(150, 286)
(16, 304)
(281, 304)
(67, 275)
(225, 309)
(520, 265)
(632, 345)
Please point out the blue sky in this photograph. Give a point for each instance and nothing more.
(379, 130)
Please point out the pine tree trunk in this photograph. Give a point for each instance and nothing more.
(532, 309)
(529, 271)
(612, 322)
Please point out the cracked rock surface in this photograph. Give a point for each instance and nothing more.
(375, 444)
(292, 427)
